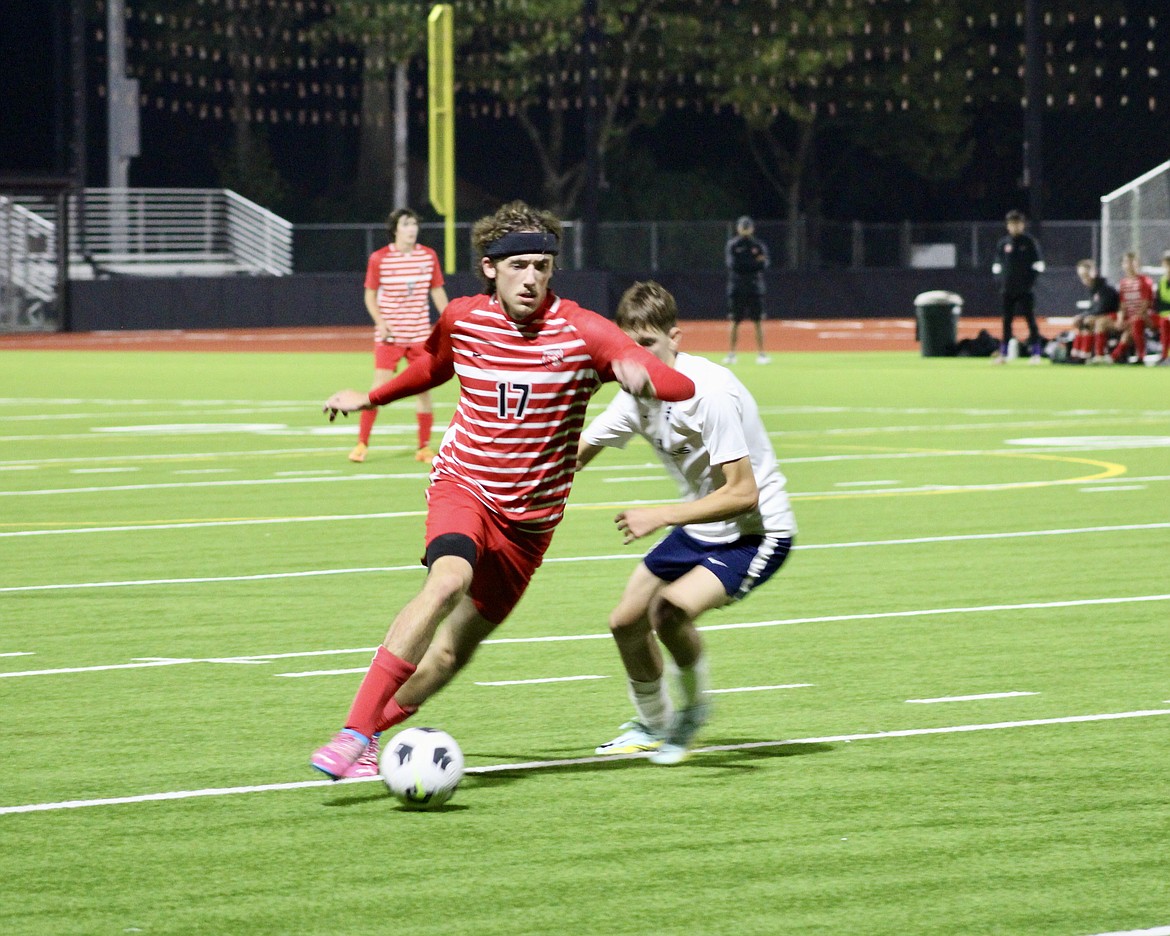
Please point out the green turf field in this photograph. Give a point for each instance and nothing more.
(949, 713)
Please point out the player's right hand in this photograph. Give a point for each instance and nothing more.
(346, 402)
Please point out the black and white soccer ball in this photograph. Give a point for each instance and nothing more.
(422, 767)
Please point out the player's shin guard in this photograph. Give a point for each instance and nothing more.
(652, 704)
(385, 677)
(694, 681)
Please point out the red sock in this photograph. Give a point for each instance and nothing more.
(394, 714)
(1138, 330)
(425, 422)
(1079, 344)
(366, 425)
(1164, 334)
(385, 677)
(1099, 344)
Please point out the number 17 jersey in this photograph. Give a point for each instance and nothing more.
(524, 390)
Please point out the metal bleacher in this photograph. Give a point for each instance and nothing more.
(128, 232)
(28, 267)
(173, 232)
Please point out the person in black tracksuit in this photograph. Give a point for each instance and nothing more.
(746, 257)
(1017, 263)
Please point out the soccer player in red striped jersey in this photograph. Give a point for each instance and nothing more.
(400, 279)
(528, 362)
(1137, 304)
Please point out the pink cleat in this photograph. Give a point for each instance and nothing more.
(367, 764)
(340, 754)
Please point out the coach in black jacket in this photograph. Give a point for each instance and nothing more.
(1017, 263)
(746, 257)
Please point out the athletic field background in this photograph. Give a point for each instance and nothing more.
(947, 714)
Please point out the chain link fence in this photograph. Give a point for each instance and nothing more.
(697, 246)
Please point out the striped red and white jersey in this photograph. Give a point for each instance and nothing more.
(1137, 295)
(404, 282)
(524, 389)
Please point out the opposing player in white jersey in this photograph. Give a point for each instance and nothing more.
(731, 533)
(527, 363)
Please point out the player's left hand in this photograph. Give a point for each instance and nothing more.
(346, 402)
(633, 377)
(638, 522)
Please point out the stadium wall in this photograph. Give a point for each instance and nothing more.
(135, 303)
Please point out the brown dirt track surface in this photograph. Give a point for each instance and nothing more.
(701, 336)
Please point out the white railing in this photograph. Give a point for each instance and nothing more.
(28, 251)
(258, 237)
(28, 266)
(140, 230)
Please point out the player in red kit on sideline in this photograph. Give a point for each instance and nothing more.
(1137, 304)
(400, 279)
(527, 362)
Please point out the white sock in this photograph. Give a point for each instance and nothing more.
(694, 681)
(652, 704)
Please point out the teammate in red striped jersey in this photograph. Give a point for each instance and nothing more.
(527, 362)
(400, 278)
(1137, 306)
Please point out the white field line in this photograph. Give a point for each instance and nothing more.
(1112, 489)
(971, 698)
(798, 685)
(1156, 931)
(197, 524)
(603, 505)
(606, 557)
(574, 761)
(241, 482)
(260, 577)
(1079, 421)
(166, 457)
(532, 682)
(561, 638)
(324, 672)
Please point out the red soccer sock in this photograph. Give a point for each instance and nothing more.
(426, 422)
(1138, 330)
(366, 425)
(394, 714)
(385, 677)
(1099, 342)
(1164, 335)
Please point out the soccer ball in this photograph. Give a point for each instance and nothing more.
(422, 767)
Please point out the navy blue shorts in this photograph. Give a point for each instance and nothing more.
(741, 565)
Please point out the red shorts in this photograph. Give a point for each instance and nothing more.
(387, 354)
(508, 555)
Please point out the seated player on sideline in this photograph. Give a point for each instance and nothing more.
(1137, 303)
(732, 531)
(1099, 315)
(527, 362)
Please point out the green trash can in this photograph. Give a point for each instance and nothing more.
(938, 314)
